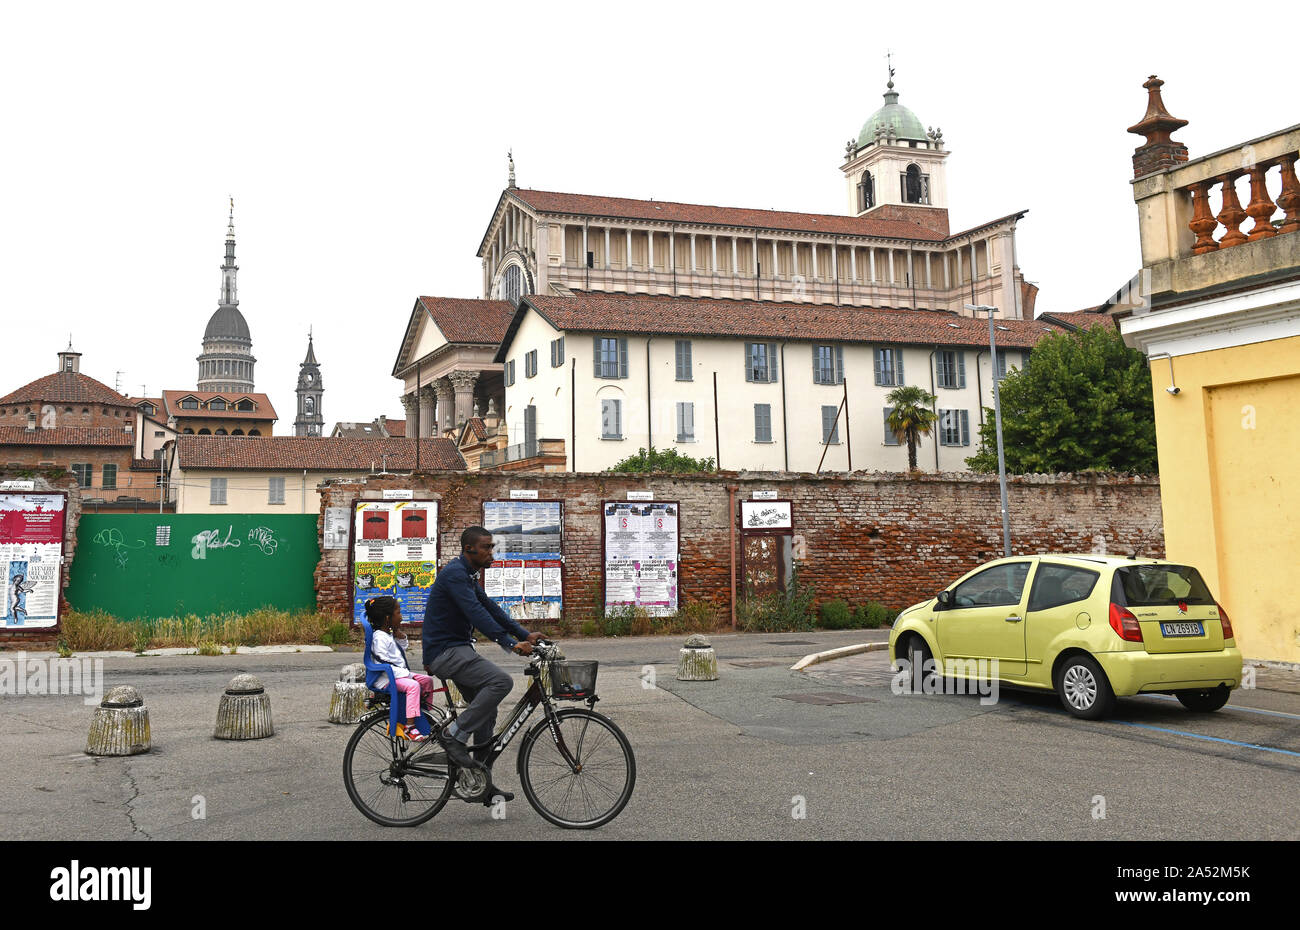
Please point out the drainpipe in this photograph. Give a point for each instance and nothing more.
(979, 388)
(304, 491)
(573, 411)
(935, 407)
(731, 523)
(785, 439)
(649, 422)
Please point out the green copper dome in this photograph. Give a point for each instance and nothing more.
(906, 124)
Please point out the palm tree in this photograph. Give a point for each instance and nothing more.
(913, 416)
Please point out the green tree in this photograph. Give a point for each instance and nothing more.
(1084, 404)
(663, 460)
(913, 416)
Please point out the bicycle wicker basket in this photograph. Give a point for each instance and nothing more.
(573, 681)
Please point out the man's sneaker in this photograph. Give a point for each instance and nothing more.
(493, 793)
(456, 751)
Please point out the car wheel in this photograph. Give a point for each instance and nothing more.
(918, 654)
(1204, 700)
(1084, 689)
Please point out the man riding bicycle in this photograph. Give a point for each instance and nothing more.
(456, 607)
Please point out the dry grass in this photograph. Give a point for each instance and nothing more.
(95, 630)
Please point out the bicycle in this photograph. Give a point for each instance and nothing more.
(580, 778)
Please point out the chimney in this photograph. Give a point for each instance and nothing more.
(1159, 151)
(383, 424)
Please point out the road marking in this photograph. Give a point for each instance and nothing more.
(1249, 710)
(1212, 739)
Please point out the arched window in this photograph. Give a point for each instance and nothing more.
(255, 432)
(205, 432)
(187, 431)
(236, 432)
(512, 285)
(220, 431)
(866, 192)
(309, 404)
(916, 186)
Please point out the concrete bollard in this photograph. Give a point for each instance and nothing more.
(245, 710)
(120, 726)
(697, 661)
(349, 700)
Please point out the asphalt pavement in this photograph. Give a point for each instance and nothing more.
(763, 753)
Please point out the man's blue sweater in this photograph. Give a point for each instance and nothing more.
(457, 606)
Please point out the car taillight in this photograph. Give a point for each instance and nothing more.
(1124, 623)
(1227, 624)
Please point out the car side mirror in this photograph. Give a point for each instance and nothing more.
(944, 600)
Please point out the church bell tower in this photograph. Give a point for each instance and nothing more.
(309, 421)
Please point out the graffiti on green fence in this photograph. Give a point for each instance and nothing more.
(161, 565)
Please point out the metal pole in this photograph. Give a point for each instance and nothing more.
(848, 438)
(997, 413)
(717, 442)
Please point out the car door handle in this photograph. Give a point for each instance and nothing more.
(1014, 619)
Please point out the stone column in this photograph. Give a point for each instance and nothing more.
(411, 405)
(442, 388)
(463, 385)
(426, 412)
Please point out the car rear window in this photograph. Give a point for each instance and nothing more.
(1055, 585)
(1159, 585)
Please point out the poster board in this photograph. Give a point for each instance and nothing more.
(640, 555)
(527, 577)
(395, 553)
(31, 558)
(767, 516)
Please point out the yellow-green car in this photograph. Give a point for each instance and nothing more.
(1090, 627)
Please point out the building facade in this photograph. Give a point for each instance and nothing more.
(1220, 320)
(757, 387)
(892, 248)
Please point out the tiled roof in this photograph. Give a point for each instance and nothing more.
(1082, 319)
(692, 316)
(475, 425)
(66, 436)
(262, 403)
(66, 387)
(466, 320)
(316, 454)
(669, 212)
(144, 465)
(396, 428)
(371, 430)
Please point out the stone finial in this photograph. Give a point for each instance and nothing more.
(122, 696)
(245, 684)
(353, 672)
(1159, 150)
(697, 641)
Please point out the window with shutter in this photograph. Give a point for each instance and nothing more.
(685, 371)
(890, 438)
(830, 428)
(217, 494)
(530, 363)
(559, 352)
(83, 473)
(109, 480)
(685, 422)
(877, 357)
(756, 361)
(275, 491)
(622, 358)
(771, 361)
(839, 364)
(961, 369)
(510, 373)
(762, 422)
(965, 427)
(1002, 363)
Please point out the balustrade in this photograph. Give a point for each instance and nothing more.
(1204, 224)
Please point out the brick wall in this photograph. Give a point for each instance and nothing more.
(42, 637)
(133, 484)
(891, 537)
(74, 414)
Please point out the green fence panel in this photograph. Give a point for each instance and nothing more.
(165, 565)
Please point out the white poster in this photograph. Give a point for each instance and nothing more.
(394, 552)
(336, 528)
(641, 541)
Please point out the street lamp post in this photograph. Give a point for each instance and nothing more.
(997, 414)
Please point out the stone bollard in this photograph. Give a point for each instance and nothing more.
(245, 710)
(697, 661)
(120, 726)
(350, 692)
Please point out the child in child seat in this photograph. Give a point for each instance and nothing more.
(389, 644)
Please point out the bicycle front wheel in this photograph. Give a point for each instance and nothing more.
(395, 784)
(598, 790)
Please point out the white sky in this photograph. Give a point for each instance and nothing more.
(365, 146)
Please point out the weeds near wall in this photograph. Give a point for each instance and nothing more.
(95, 630)
(777, 612)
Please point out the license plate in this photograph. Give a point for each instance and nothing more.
(1181, 629)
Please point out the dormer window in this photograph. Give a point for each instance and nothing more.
(245, 405)
(216, 404)
(189, 403)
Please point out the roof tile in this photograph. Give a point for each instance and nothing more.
(315, 453)
(66, 387)
(65, 436)
(467, 320)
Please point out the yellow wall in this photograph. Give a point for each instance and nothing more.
(1229, 454)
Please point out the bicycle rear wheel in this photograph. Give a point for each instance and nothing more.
(596, 793)
(395, 784)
